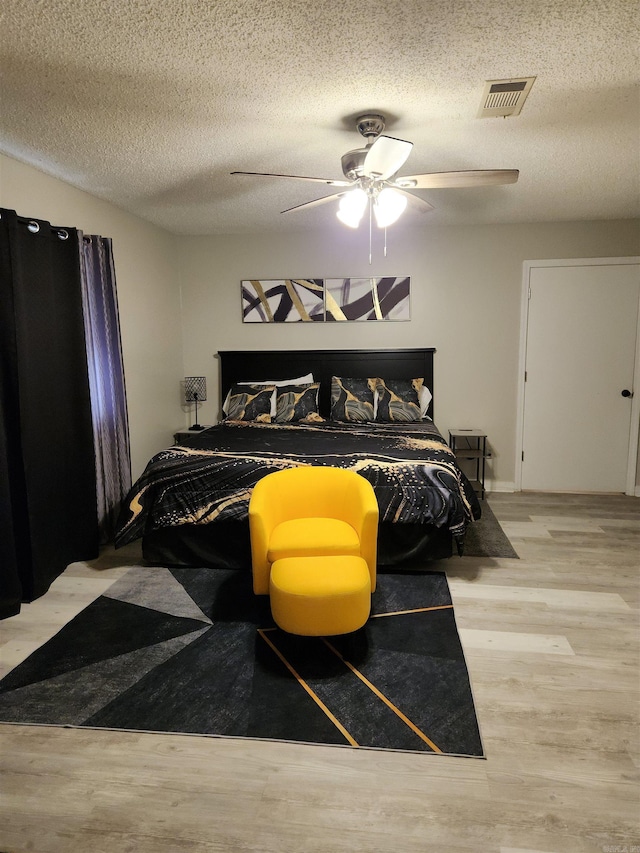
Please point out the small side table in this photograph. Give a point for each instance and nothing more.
(471, 444)
(183, 436)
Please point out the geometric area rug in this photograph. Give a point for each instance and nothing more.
(194, 651)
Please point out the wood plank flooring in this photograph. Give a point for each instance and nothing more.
(552, 645)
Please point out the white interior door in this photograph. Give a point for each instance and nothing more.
(580, 353)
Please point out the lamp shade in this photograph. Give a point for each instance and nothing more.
(351, 208)
(195, 389)
(388, 207)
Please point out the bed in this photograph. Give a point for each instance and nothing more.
(190, 504)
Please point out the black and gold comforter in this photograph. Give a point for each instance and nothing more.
(411, 468)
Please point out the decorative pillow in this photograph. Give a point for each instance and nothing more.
(398, 400)
(296, 402)
(352, 399)
(250, 403)
(425, 398)
(299, 380)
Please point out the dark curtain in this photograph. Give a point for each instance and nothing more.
(48, 515)
(106, 380)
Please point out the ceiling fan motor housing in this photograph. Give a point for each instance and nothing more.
(352, 163)
(370, 126)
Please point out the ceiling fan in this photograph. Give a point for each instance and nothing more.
(371, 178)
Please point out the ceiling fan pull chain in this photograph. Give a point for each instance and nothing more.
(370, 223)
(385, 241)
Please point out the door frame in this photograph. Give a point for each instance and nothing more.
(634, 432)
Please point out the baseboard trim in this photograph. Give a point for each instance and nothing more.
(506, 486)
(500, 486)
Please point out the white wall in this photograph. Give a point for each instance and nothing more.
(148, 294)
(465, 290)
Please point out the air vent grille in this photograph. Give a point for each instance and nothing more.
(504, 97)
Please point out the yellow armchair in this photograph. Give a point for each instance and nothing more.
(311, 511)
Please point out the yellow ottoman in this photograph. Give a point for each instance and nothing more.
(320, 596)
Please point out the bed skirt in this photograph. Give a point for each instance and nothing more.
(226, 545)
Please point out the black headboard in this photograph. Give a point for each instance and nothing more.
(238, 366)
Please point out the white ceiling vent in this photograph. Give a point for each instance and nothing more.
(504, 97)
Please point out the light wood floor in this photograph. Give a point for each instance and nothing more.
(551, 642)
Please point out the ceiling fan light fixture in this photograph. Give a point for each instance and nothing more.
(388, 207)
(371, 173)
(352, 207)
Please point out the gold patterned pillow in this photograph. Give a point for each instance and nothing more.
(352, 399)
(296, 403)
(250, 403)
(399, 400)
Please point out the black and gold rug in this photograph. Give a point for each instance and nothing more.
(193, 651)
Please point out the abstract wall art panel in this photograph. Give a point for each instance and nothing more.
(291, 300)
(296, 300)
(385, 298)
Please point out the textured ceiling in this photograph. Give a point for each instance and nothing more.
(152, 103)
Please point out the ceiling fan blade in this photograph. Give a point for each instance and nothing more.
(469, 178)
(414, 200)
(313, 203)
(385, 157)
(329, 181)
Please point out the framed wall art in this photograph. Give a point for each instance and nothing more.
(305, 300)
(386, 298)
(290, 300)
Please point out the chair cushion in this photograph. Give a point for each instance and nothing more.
(309, 537)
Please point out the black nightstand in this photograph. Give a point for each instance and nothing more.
(471, 444)
(183, 436)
